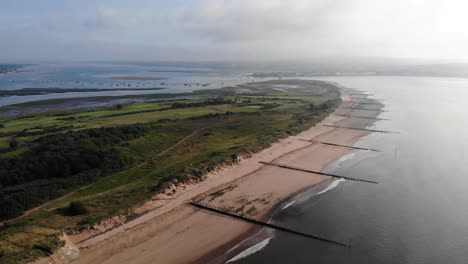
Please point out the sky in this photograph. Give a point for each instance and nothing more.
(248, 30)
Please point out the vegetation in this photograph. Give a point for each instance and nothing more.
(90, 221)
(216, 101)
(106, 163)
(57, 163)
(76, 208)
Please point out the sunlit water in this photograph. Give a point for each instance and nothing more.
(419, 211)
(178, 78)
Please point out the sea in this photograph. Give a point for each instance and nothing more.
(418, 213)
(175, 77)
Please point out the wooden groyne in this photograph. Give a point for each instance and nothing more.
(351, 90)
(365, 103)
(316, 172)
(358, 93)
(357, 108)
(339, 145)
(365, 117)
(368, 99)
(363, 129)
(220, 211)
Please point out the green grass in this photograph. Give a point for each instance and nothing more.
(4, 142)
(250, 127)
(130, 114)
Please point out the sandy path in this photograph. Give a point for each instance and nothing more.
(177, 233)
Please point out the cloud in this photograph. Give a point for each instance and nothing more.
(252, 20)
(112, 18)
(241, 29)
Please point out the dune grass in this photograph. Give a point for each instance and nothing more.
(187, 143)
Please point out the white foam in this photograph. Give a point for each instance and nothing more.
(251, 250)
(347, 157)
(331, 186)
(289, 204)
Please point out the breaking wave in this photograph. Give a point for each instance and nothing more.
(289, 204)
(251, 250)
(331, 186)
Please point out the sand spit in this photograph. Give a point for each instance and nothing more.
(178, 233)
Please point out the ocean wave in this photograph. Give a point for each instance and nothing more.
(338, 162)
(347, 157)
(251, 250)
(331, 186)
(289, 204)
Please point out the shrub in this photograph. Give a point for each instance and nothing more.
(92, 220)
(13, 144)
(77, 208)
(49, 244)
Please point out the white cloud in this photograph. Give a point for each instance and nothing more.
(112, 18)
(253, 29)
(252, 20)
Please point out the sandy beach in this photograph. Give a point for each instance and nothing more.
(170, 231)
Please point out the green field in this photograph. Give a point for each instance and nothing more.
(158, 142)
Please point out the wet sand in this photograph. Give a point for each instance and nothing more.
(178, 233)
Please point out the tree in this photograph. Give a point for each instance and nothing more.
(13, 144)
(9, 208)
(77, 208)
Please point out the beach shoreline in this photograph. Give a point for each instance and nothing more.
(152, 234)
(235, 247)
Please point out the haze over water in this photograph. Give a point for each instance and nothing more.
(417, 214)
(176, 77)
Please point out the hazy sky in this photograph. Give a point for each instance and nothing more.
(232, 30)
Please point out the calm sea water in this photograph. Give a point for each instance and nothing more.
(419, 211)
(180, 77)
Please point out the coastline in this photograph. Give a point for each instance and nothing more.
(134, 239)
(235, 246)
(225, 253)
